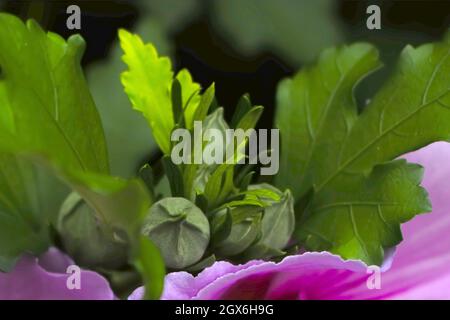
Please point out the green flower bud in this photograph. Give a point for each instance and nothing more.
(179, 229)
(278, 221)
(85, 239)
(215, 120)
(240, 232)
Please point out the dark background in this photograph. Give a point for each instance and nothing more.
(209, 57)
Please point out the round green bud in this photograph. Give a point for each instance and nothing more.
(179, 229)
(85, 239)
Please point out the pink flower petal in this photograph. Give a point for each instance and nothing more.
(421, 268)
(310, 275)
(182, 285)
(55, 261)
(45, 278)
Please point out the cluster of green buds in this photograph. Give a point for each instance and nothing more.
(210, 212)
(200, 212)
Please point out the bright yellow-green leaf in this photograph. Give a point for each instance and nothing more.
(148, 83)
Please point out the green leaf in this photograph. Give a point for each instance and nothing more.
(45, 108)
(219, 185)
(328, 147)
(246, 122)
(189, 175)
(29, 203)
(244, 105)
(205, 104)
(221, 225)
(175, 177)
(44, 84)
(244, 182)
(214, 120)
(177, 104)
(248, 201)
(148, 84)
(191, 179)
(249, 120)
(146, 174)
(201, 202)
(314, 111)
(151, 266)
(411, 111)
(257, 195)
(365, 215)
(7, 118)
(190, 96)
(264, 191)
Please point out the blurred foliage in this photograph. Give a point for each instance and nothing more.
(282, 26)
(127, 133)
(172, 15)
(249, 27)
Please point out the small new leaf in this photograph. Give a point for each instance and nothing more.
(148, 83)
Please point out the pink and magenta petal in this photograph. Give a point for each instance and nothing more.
(45, 278)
